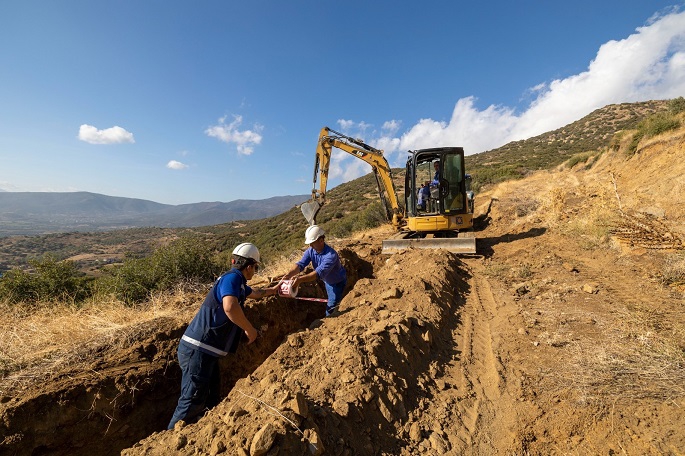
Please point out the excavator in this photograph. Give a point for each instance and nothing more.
(441, 219)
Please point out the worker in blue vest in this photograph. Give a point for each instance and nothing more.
(327, 267)
(214, 332)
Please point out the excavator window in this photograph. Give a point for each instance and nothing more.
(453, 174)
(425, 173)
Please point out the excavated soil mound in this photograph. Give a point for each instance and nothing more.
(347, 384)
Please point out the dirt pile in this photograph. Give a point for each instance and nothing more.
(564, 335)
(348, 384)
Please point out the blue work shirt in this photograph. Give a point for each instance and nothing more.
(211, 331)
(230, 285)
(424, 194)
(327, 264)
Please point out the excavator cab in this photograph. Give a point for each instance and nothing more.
(445, 220)
(441, 172)
(448, 206)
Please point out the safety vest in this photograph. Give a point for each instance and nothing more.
(203, 334)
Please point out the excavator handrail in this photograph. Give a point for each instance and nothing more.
(328, 139)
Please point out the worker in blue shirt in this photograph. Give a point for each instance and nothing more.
(327, 267)
(424, 196)
(214, 332)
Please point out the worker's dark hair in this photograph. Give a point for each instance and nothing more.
(240, 262)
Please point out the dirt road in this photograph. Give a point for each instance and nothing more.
(564, 335)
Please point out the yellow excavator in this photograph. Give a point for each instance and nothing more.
(438, 201)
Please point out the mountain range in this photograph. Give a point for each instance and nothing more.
(32, 213)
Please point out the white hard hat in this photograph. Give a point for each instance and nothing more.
(313, 233)
(247, 250)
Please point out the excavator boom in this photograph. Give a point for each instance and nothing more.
(328, 139)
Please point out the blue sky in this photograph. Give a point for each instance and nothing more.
(183, 102)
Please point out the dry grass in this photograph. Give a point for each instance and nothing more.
(38, 340)
(278, 268)
(673, 273)
(632, 361)
(591, 224)
(634, 357)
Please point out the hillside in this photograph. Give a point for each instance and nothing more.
(35, 213)
(592, 133)
(564, 335)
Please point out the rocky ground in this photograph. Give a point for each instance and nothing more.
(563, 335)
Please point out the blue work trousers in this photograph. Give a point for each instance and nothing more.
(200, 385)
(335, 295)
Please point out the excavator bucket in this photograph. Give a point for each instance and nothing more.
(465, 243)
(309, 210)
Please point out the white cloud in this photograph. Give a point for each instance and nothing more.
(346, 125)
(649, 64)
(173, 164)
(391, 126)
(113, 135)
(244, 140)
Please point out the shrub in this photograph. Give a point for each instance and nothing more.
(673, 272)
(49, 280)
(677, 105)
(371, 216)
(185, 260)
(578, 158)
(658, 123)
(653, 125)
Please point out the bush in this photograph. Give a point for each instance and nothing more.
(578, 158)
(677, 105)
(371, 216)
(184, 260)
(49, 280)
(653, 125)
(673, 272)
(658, 123)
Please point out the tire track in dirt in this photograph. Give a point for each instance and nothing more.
(479, 369)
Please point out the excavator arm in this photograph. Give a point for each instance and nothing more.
(328, 139)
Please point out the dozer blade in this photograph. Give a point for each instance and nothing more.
(309, 210)
(465, 243)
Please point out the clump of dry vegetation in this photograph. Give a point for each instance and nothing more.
(37, 339)
(673, 273)
(636, 359)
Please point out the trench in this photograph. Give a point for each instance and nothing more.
(125, 397)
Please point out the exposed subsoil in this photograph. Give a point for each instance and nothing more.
(552, 340)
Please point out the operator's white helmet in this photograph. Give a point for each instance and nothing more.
(313, 233)
(247, 250)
